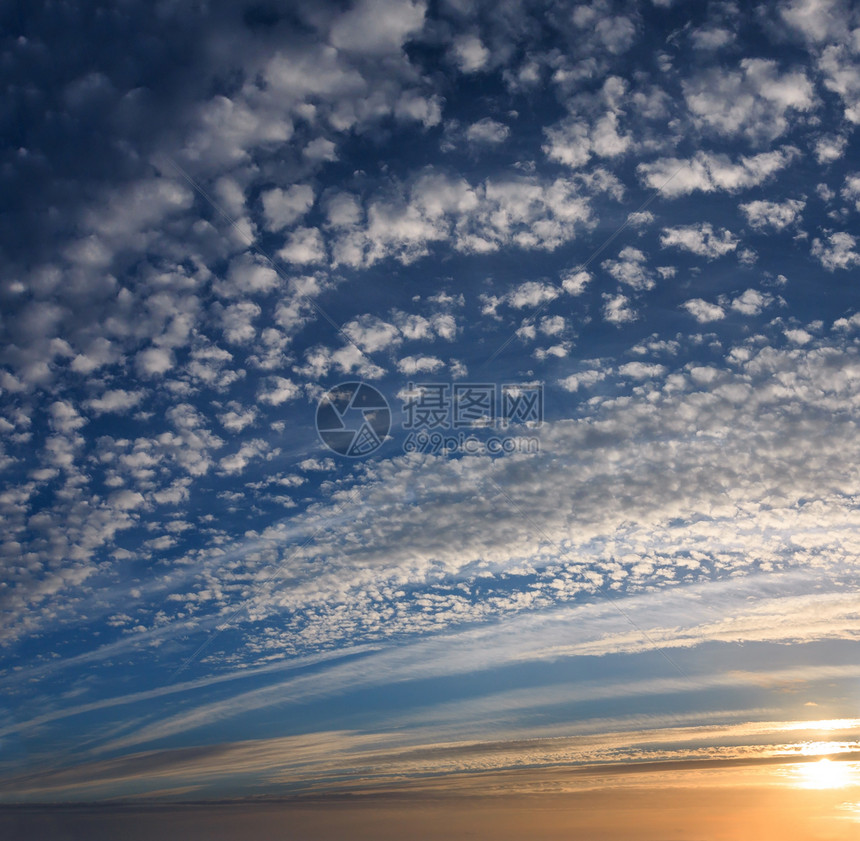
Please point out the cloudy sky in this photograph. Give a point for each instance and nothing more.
(630, 228)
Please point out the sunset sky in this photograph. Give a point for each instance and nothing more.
(417, 412)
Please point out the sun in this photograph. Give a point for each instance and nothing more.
(825, 774)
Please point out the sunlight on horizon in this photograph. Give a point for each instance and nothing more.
(824, 724)
(827, 774)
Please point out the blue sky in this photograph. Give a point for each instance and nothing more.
(643, 211)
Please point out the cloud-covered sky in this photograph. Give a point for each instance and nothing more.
(641, 215)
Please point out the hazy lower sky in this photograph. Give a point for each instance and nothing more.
(436, 405)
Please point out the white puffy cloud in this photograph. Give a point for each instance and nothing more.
(798, 336)
(343, 210)
(238, 418)
(469, 53)
(851, 189)
(278, 390)
(616, 33)
(710, 172)
(771, 214)
(413, 326)
(640, 218)
(576, 139)
(847, 323)
(130, 218)
(558, 351)
(372, 334)
(527, 330)
(583, 379)
(817, 20)
(154, 362)
(410, 365)
(655, 345)
(413, 107)
(126, 500)
(115, 400)
(574, 281)
(631, 268)
(522, 212)
(319, 360)
(320, 149)
(377, 26)
(711, 38)
(838, 62)
(304, 246)
(208, 366)
(416, 327)
(700, 239)
(824, 193)
(703, 311)
(836, 251)
(531, 294)
(830, 148)
(574, 142)
(751, 302)
(445, 325)
(282, 208)
(65, 417)
(552, 325)
(488, 131)
(642, 370)
(248, 275)
(238, 461)
(617, 310)
(228, 128)
(237, 322)
(755, 101)
(98, 353)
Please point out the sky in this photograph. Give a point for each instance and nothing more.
(432, 399)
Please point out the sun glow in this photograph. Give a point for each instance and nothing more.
(824, 724)
(826, 774)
